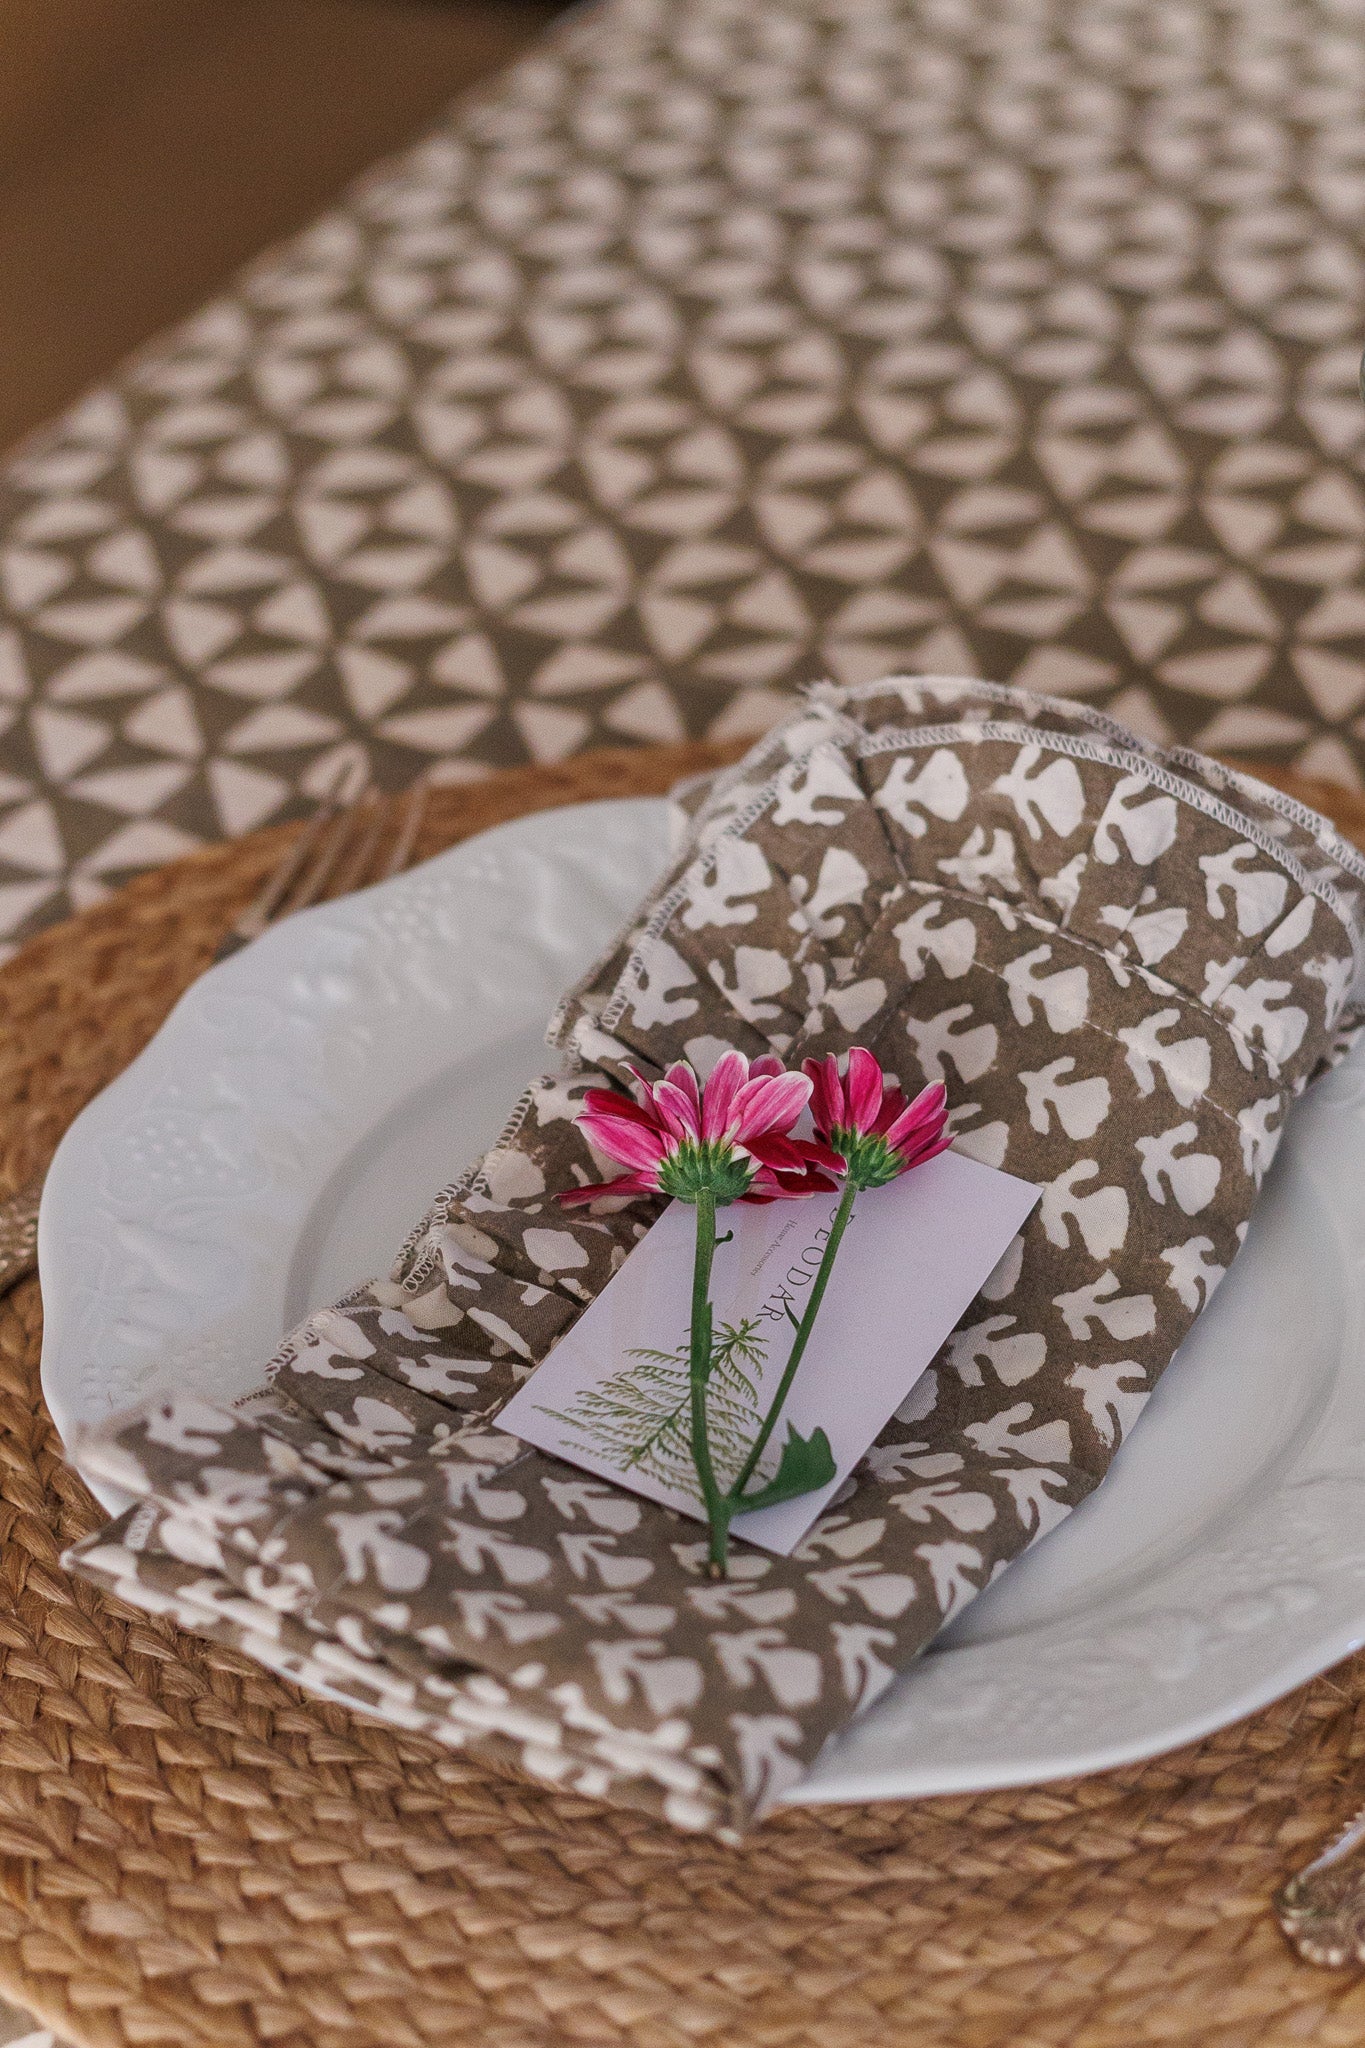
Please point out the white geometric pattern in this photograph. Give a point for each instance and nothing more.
(712, 350)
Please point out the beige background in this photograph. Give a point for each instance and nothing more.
(148, 147)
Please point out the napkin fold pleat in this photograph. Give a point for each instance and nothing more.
(1124, 964)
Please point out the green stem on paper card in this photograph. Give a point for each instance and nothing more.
(699, 1372)
(802, 1337)
(806, 1462)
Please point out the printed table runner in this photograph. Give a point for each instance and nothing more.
(715, 349)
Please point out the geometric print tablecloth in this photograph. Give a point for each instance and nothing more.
(713, 349)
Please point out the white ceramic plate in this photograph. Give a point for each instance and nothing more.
(271, 1146)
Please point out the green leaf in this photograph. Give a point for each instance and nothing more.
(807, 1462)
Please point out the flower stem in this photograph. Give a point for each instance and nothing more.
(799, 1343)
(718, 1508)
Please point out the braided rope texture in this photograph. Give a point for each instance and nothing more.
(193, 1852)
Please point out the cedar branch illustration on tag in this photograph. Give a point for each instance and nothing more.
(640, 1419)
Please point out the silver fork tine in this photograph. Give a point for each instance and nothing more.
(266, 906)
(312, 885)
(414, 810)
(372, 814)
(370, 822)
(340, 850)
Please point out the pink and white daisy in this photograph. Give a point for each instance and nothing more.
(868, 1121)
(730, 1135)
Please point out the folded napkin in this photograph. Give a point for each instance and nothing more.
(1124, 963)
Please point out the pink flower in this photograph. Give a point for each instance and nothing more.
(867, 1120)
(731, 1136)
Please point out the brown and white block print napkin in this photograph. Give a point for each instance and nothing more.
(1124, 963)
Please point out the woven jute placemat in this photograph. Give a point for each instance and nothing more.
(192, 1851)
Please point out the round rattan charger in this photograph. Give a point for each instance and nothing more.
(191, 1851)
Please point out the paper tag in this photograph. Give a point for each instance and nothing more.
(612, 1397)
